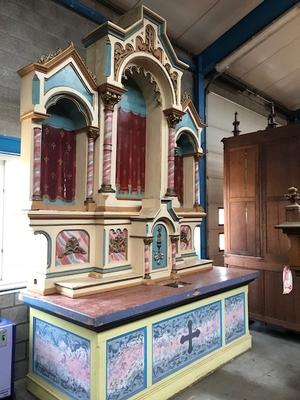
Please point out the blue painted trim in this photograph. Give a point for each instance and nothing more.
(144, 329)
(170, 209)
(113, 269)
(200, 103)
(107, 59)
(10, 145)
(83, 10)
(196, 357)
(49, 245)
(35, 90)
(262, 16)
(42, 376)
(103, 322)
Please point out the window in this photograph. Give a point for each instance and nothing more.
(221, 242)
(22, 252)
(1, 213)
(221, 216)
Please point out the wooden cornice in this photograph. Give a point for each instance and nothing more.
(187, 103)
(58, 58)
(35, 116)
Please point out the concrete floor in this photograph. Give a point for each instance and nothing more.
(270, 371)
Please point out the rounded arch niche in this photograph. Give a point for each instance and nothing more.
(63, 150)
(141, 135)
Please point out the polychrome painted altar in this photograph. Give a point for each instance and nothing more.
(110, 152)
(138, 342)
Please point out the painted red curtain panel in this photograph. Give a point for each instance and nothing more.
(179, 178)
(58, 164)
(131, 143)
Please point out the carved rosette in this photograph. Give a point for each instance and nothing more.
(110, 95)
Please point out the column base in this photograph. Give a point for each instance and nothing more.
(90, 204)
(36, 197)
(171, 193)
(106, 189)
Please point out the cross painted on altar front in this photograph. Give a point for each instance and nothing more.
(191, 335)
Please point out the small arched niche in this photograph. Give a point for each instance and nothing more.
(186, 148)
(63, 151)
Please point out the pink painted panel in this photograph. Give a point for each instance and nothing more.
(118, 241)
(72, 247)
(185, 238)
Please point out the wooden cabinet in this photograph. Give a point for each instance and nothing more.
(259, 167)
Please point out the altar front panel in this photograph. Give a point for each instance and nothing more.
(153, 357)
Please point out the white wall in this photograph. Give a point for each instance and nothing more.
(220, 115)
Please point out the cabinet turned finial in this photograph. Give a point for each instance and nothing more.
(236, 124)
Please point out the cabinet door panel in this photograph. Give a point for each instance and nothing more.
(243, 172)
(242, 228)
(282, 166)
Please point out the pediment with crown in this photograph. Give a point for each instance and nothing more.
(61, 73)
(138, 38)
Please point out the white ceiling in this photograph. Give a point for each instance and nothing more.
(269, 62)
(195, 24)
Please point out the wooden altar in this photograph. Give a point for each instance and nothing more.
(124, 306)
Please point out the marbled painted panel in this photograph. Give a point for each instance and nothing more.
(62, 358)
(180, 340)
(72, 247)
(126, 365)
(118, 242)
(185, 238)
(235, 324)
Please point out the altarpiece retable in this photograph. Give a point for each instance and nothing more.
(124, 307)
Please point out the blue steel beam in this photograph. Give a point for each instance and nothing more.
(10, 145)
(205, 62)
(262, 16)
(83, 10)
(200, 103)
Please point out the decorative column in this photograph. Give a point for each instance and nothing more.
(173, 117)
(92, 135)
(147, 243)
(110, 96)
(174, 241)
(197, 157)
(37, 155)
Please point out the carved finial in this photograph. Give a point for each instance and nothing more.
(293, 196)
(185, 97)
(271, 118)
(236, 124)
(48, 57)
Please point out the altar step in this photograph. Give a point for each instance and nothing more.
(193, 264)
(84, 286)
